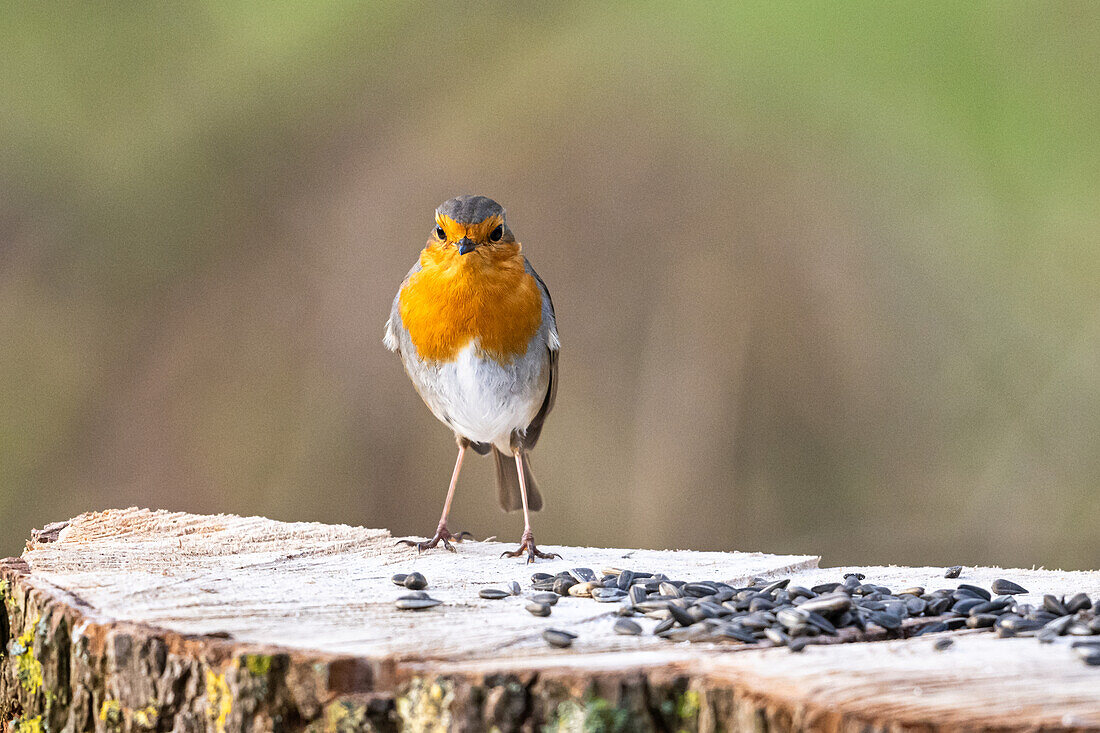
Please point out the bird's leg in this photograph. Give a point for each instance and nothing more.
(527, 541)
(442, 534)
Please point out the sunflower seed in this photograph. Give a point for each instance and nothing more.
(558, 638)
(562, 585)
(1079, 602)
(981, 621)
(399, 579)
(540, 577)
(1055, 606)
(953, 572)
(547, 599)
(670, 590)
(664, 625)
(538, 609)
(583, 575)
(972, 590)
(582, 590)
(417, 604)
(797, 645)
(942, 644)
(625, 579)
(681, 615)
(1004, 587)
(493, 594)
(637, 594)
(887, 621)
(607, 595)
(963, 606)
(626, 627)
(415, 581)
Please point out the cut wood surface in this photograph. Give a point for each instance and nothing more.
(141, 620)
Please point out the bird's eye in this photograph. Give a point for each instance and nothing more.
(440, 233)
(496, 234)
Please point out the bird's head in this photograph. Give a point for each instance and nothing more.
(467, 224)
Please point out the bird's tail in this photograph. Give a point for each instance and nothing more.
(508, 484)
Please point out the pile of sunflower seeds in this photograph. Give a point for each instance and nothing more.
(777, 613)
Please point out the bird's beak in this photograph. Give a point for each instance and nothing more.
(466, 245)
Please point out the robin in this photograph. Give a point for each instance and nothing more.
(474, 325)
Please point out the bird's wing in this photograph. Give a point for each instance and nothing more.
(553, 345)
(394, 328)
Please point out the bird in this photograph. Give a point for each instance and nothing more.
(475, 328)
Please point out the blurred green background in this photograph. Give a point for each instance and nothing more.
(826, 275)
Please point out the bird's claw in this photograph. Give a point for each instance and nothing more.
(527, 546)
(441, 535)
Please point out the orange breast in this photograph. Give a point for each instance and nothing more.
(485, 295)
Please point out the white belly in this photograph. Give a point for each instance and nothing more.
(482, 400)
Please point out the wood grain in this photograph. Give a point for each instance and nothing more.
(141, 620)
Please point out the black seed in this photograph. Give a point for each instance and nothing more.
(797, 645)
(792, 617)
(998, 606)
(1004, 587)
(562, 585)
(698, 590)
(624, 580)
(825, 588)
(963, 606)
(415, 581)
(939, 606)
(582, 575)
(858, 576)
(493, 594)
(548, 599)
(664, 625)
(414, 594)
(637, 594)
(1055, 606)
(681, 615)
(816, 619)
(670, 590)
(772, 587)
(953, 572)
(974, 591)
(932, 629)
(886, 620)
(607, 595)
(1077, 603)
(981, 621)
(538, 609)
(417, 604)
(942, 644)
(626, 627)
(399, 579)
(776, 636)
(558, 638)
(514, 588)
(1093, 660)
(736, 631)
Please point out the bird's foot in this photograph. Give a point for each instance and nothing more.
(527, 545)
(442, 534)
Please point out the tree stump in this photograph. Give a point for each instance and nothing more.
(135, 620)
